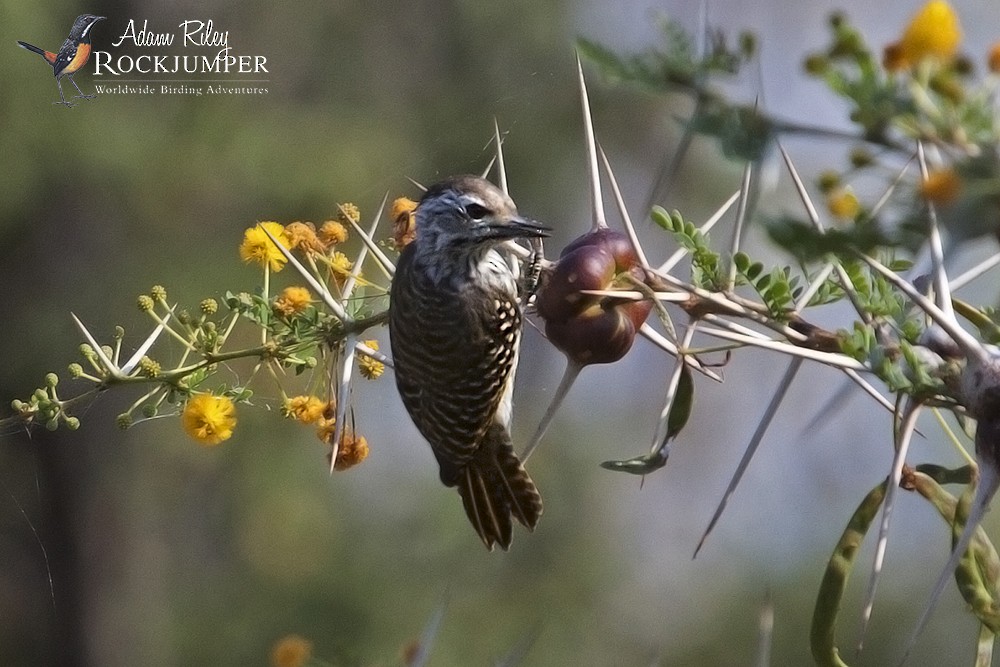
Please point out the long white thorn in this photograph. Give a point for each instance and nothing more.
(568, 378)
(361, 348)
(969, 345)
(596, 199)
(134, 360)
(741, 216)
(363, 253)
(837, 400)
(814, 286)
(986, 488)
(755, 440)
(942, 291)
(350, 343)
(834, 360)
(317, 286)
(661, 341)
(800, 188)
(623, 211)
(109, 365)
(976, 271)
(681, 253)
(660, 444)
(377, 253)
(501, 169)
(905, 435)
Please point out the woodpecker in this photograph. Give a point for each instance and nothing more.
(454, 329)
(71, 56)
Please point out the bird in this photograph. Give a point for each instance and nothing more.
(72, 55)
(454, 331)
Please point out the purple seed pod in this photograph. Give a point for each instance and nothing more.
(592, 329)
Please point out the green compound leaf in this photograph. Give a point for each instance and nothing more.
(706, 264)
(807, 244)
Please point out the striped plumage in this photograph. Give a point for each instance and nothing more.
(454, 327)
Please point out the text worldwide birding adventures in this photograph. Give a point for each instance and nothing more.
(454, 327)
(71, 56)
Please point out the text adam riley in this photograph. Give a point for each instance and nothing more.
(193, 33)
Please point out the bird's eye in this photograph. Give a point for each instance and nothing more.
(476, 211)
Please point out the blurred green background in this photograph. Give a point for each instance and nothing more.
(141, 548)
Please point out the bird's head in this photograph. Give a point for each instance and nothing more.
(467, 214)
(82, 26)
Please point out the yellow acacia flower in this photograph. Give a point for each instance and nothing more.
(332, 232)
(291, 651)
(149, 367)
(404, 223)
(257, 247)
(341, 265)
(292, 300)
(843, 203)
(352, 451)
(145, 303)
(325, 428)
(350, 212)
(370, 368)
(306, 409)
(302, 235)
(941, 186)
(353, 448)
(934, 31)
(209, 419)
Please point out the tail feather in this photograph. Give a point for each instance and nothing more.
(496, 486)
(48, 55)
(525, 501)
(486, 508)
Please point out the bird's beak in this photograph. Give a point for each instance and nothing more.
(518, 228)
